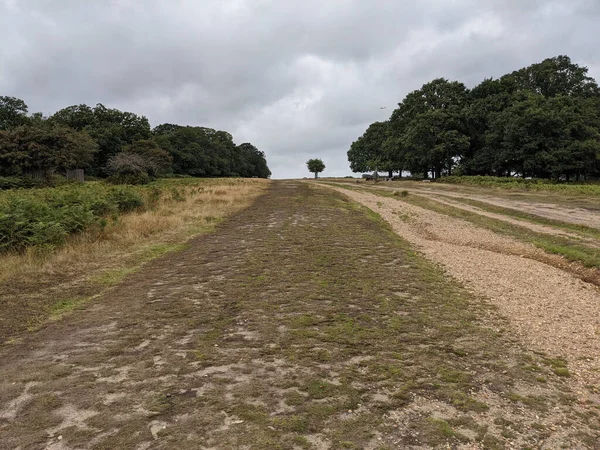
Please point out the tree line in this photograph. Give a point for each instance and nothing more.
(112, 143)
(541, 121)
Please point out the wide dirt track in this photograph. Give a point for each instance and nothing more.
(301, 322)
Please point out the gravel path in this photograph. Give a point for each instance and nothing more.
(299, 323)
(550, 309)
(552, 211)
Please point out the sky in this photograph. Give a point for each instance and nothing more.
(298, 79)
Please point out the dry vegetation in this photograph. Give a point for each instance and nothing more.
(40, 280)
(302, 322)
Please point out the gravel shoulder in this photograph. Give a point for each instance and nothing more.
(550, 309)
(552, 208)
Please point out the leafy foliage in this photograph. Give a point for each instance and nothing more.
(315, 166)
(541, 121)
(104, 141)
(199, 151)
(13, 112)
(44, 147)
(45, 217)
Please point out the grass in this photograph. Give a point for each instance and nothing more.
(569, 248)
(101, 257)
(327, 332)
(337, 299)
(533, 218)
(572, 188)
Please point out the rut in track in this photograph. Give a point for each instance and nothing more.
(302, 322)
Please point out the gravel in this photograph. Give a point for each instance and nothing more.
(551, 310)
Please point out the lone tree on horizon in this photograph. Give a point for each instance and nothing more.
(315, 166)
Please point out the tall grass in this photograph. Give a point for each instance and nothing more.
(589, 188)
(75, 228)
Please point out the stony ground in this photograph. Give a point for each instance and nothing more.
(302, 322)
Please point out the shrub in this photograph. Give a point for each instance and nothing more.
(126, 199)
(20, 183)
(46, 217)
(29, 222)
(135, 179)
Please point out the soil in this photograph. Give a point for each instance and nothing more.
(301, 322)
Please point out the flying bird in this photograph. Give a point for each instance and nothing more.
(383, 107)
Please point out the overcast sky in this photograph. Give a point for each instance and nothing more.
(299, 79)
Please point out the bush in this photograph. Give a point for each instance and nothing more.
(20, 183)
(46, 217)
(27, 222)
(135, 179)
(126, 199)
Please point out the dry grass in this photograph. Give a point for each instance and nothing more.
(33, 283)
(199, 208)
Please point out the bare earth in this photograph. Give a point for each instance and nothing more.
(304, 322)
(549, 308)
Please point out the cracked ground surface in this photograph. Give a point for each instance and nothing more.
(301, 322)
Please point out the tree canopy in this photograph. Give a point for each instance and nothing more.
(44, 147)
(106, 141)
(540, 121)
(315, 166)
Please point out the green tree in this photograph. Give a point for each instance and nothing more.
(250, 161)
(13, 112)
(206, 152)
(110, 128)
(546, 137)
(44, 147)
(369, 152)
(315, 166)
(553, 77)
(430, 126)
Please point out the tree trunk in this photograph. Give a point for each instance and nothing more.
(316, 173)
(391, 173)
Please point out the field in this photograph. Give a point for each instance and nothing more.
(317, 315)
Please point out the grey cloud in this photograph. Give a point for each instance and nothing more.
(299, 79)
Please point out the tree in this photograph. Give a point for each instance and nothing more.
(200, 151)
(369, 153)
(13, 112)
(44, 147)
(546, 137)
(315, 166)
(553, 77)
(250, 161)
(158, 161)
(110, 128)
(430, 126)
(540, 121)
